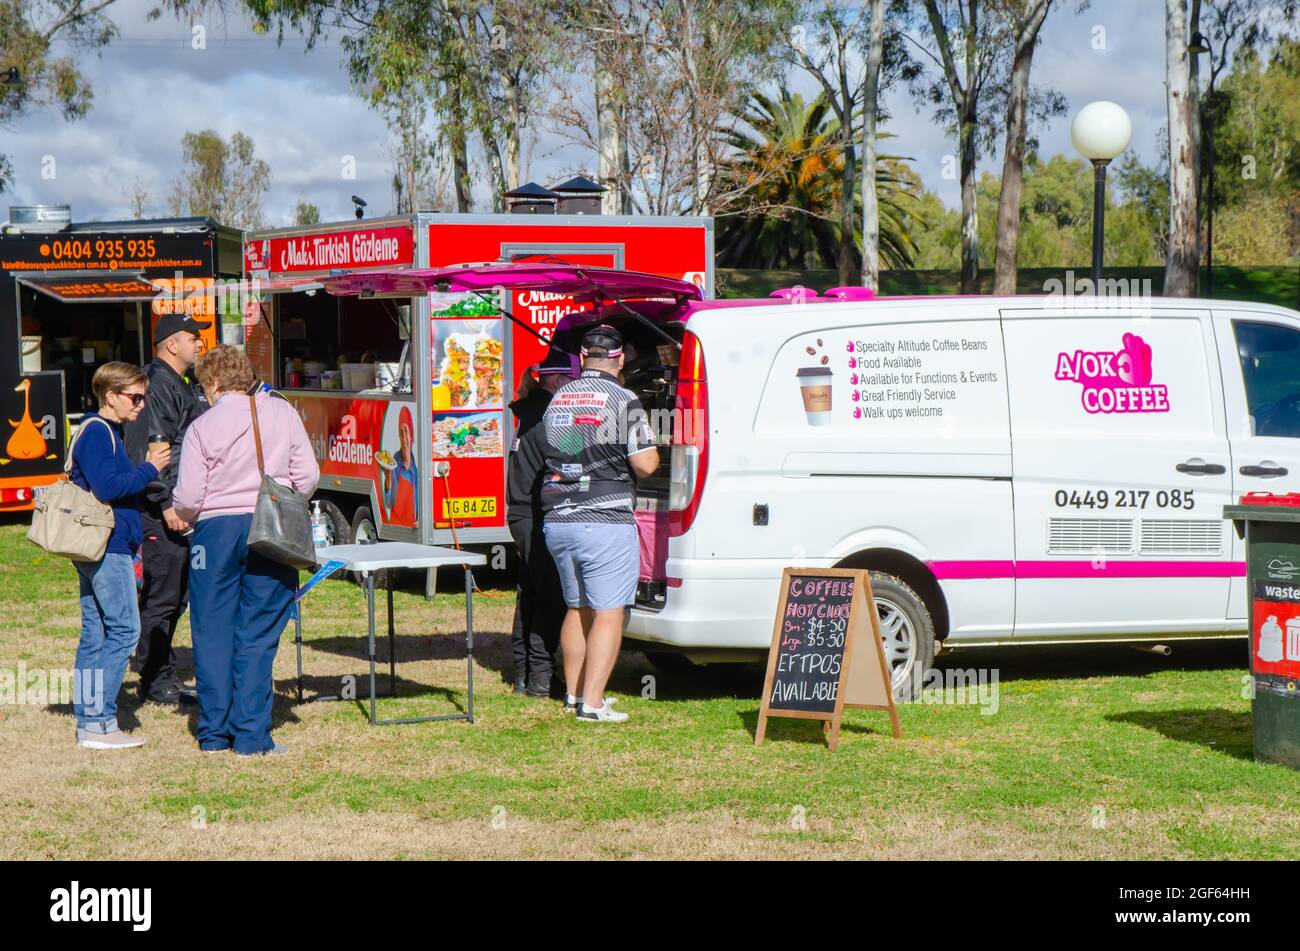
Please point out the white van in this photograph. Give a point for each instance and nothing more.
(1012, 470)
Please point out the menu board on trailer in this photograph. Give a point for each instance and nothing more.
(468, 399)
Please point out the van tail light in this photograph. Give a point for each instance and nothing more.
(689, 460)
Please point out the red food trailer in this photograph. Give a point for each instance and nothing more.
(405, 390)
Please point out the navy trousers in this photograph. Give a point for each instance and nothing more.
(239, 605)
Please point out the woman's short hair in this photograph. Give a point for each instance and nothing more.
(224, 369)
(115, 377)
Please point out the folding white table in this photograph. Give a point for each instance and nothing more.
(367, 559)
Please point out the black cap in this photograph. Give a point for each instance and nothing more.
(604, 338)
(169, 324)
(557, 361)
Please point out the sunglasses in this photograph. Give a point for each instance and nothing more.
(137, 399)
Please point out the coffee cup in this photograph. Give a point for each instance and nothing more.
(157, 440)
(815, 385)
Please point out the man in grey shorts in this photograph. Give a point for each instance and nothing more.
(596, 439)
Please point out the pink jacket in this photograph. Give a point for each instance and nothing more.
(218, 472)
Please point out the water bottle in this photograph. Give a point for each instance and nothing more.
(318, 538)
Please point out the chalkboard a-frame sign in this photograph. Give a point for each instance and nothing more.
(826, 652)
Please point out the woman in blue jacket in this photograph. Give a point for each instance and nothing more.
(110, 615)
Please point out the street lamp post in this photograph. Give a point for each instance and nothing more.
(1100, 132)
(1197, 46)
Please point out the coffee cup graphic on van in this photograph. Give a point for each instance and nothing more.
(815, 385)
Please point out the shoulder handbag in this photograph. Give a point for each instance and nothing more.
(281, 528)
(67, 520)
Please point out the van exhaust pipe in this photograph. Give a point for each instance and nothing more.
(1164, 650)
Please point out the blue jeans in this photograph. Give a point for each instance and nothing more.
(239, 605)
(110, 628)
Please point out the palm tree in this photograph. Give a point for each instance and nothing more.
(786, 168)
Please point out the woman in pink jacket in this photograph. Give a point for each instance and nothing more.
(239, 600)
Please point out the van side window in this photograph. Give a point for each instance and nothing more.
(1270, 367)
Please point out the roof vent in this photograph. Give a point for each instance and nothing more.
(850, 293)
(795, 295)
(39, 217)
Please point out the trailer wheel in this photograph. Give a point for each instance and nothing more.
(338, 530)
(365, 532)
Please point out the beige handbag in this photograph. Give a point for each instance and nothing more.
(67, 520)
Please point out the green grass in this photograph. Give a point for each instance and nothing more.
(1158, 746)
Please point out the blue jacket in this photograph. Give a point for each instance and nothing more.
(101, 466)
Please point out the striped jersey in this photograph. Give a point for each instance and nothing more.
(590, 428)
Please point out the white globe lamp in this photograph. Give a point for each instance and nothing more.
(1101, 131)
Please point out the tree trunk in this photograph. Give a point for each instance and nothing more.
(970, 247)
(1198, 142)
(870, 97)
(849, 180)
(609, 135)
(1184, 252)
(624, 190)
(1013, 161)
(456, 142)
(513, 172)
(496, 167)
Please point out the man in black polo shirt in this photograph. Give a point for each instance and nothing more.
(539, 606)
(174, 400)
(596, 440)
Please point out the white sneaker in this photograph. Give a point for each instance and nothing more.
(606, 713)
(108, 741)
(577, 704)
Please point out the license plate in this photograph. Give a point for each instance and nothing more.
(484, 507)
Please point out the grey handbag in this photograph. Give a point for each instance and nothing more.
(281, 528)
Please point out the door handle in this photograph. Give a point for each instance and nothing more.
(1201, 468)
(1263, 472)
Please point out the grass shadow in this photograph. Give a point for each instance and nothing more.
(1223, 731)
(800, 730)
(491, 650)
(1084, 661)
(333, 689)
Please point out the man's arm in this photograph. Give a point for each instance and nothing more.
(642, 450)
(644, 463)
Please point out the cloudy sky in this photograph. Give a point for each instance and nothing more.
(299, 108)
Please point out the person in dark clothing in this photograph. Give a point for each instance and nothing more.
(539, 605)
(174, 401)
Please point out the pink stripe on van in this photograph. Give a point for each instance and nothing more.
(1107, 568)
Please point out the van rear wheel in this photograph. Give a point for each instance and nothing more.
(906, 632)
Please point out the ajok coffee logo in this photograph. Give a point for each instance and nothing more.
(1115, 381)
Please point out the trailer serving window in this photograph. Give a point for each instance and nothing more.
(77, 323)
(347, 344)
